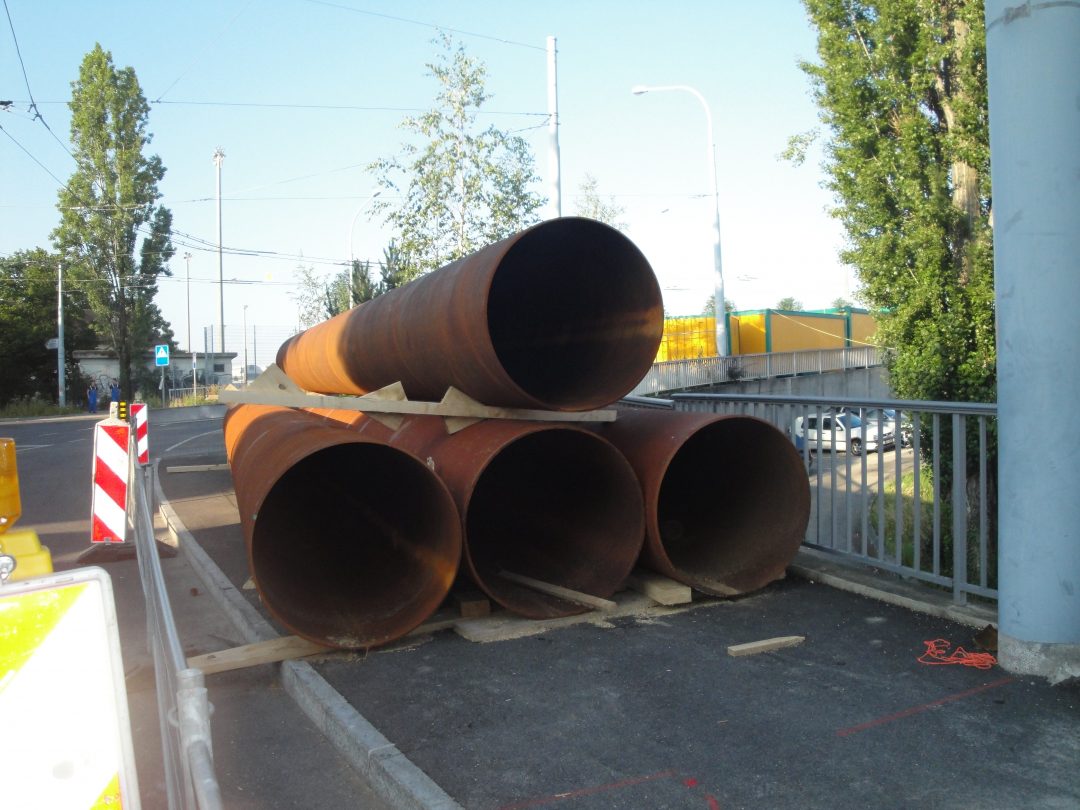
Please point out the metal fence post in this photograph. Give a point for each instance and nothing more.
(959, 508)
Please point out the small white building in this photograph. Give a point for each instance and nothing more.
(102, 366)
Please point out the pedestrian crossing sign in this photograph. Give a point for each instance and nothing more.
(161, 354)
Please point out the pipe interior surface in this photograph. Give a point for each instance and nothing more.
(731, 505)
(575, 314)
(355, 544)
(559, 506)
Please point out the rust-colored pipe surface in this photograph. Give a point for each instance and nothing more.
(726, 498)
(566, 315)
(555, 503)
(351, 543)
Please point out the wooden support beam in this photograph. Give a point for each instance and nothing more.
(577, 597)
(660, 589)
(284, 648)
(765, 645)
(472, 604)
(273, 387)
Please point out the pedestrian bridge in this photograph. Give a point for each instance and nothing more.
(702, 372)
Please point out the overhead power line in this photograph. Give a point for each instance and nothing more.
(427, 25)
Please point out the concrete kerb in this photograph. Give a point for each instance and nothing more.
(401, 783)
(825, 568)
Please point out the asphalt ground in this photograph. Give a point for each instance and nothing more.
(652, 712)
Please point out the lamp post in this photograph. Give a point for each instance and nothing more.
(721, 315)
(219, 156)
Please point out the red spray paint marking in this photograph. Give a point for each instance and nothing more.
(844, 732)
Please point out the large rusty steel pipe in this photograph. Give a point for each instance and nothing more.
(351, 543)
(727, 499)
(555, 503)
(566, 315)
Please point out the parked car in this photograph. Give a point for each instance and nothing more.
(842, 430)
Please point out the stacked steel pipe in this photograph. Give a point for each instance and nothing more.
(564, 316)
(351, 543)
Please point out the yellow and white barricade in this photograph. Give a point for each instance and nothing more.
(65, 735)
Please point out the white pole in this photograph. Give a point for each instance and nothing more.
(718, 269)
(554, 167)
(245, 347)
(60, 359)
(219, 156)
(187, 259)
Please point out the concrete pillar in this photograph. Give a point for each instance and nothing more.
(1033, 56)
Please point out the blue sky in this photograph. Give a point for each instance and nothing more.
(302, 94)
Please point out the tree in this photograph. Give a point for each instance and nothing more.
(901, 85)
(789, 304)
(841, 303)
(28, 319)
(463, 188)
(112, 234)
(310, 297)
(710, 305)
(591, 205)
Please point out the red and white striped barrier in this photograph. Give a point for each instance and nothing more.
(139, 413)
(108, 522)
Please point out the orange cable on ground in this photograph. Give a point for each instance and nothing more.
(937, 653)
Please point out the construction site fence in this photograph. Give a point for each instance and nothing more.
(682, 375)
(183, 705)
(895, 505)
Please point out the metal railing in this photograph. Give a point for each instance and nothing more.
(680, 375)
(183, 705)
(896, 505)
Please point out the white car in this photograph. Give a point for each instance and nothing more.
(838, 431)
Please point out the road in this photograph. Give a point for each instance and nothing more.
(268, 755)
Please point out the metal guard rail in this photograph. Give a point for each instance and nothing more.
(183, 705)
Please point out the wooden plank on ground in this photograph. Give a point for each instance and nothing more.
(765, 645)
(284, 648)
(577, 597)
(662, 590)
(189, 468)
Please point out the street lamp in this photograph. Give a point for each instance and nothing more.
(721, 315)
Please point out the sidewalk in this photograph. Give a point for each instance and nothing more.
(639, 711)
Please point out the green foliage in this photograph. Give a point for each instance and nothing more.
(789, 304)
(710, 305)
(590, 204)
(28, 281)
(841, 303)
(462, 188)
(901, 85)
(112, 234)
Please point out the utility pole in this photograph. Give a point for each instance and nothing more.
(245, 347)
(219, 156)
(187, 259)
(60, 359)
(554, 168)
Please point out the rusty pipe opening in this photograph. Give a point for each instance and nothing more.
(732, 507)
(351, 543)
(575, 314)
(559, 506)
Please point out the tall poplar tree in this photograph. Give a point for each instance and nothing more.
(462, 187)
(113, 236)
(901, 85)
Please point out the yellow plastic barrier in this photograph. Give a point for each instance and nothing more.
(31, 558)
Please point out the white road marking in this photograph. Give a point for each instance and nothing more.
(191, 438)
